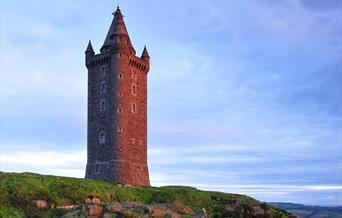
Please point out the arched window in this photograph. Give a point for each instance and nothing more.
(134, 89)
(103, 71)
(134, 107)
(103, 105)
(134, 75)
(103, 88)
(97, 168)
(102, 137)
(119, 129)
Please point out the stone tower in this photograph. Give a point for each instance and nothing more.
(117, 109)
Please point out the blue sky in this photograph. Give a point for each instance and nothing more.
(243, 96)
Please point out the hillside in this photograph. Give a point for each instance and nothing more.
(34, 195)
(304, 211)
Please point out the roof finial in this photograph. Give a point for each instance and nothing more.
(117, 10)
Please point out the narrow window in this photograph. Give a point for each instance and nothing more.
(134, 74)
(103, 105)
(120, 129)
(134, 107)
(102, 137)
(103, 71)
(103, 87)
(134, 90)
(97, 168)
(119, 110)
(120, 76)
(119, 93)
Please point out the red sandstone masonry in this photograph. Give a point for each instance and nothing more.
(123, 156)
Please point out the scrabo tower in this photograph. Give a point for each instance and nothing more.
(117, 107)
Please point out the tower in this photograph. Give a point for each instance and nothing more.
(117, 109)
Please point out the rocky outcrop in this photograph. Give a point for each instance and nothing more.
(134, 209)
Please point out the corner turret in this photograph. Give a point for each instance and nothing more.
(89, 53)
(145, 56)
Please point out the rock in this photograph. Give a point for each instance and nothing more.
(173, 215)
(158, 213)
(202, 213)
(181, 207)
(108, 215)
(229, 208)
(128, 204)
(94, 210)
(42, 203)
(72, 214)
(114, 207)
(87, 200)
(258, 210)
(96, 200)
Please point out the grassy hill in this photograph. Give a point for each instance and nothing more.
(19, 193)
(304, 211)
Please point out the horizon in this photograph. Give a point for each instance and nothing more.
(243, 97)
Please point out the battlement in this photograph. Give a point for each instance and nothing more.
(100, 59)
(138, 63)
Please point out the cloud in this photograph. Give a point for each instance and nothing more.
(240, 92)
(51, 159)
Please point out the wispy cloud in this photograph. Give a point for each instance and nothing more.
(237, 100)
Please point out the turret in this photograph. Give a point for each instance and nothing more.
(117, 39)
(145, 56)
(89, 53)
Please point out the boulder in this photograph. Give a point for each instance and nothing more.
(96, 200)
(158, 213)
(173, 215)
(108, 215)
(42, 203)
(114, 207)
(94, 210)
(202, 213)
(87, 200)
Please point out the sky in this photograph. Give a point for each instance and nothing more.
(244, 96)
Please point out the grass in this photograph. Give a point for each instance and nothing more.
(19, 190)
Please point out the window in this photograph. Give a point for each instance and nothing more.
(119, 93)
(133, 141)
(134, 90)
(103, 88)
(120, 76)
(97, 168)
(119, 110)
(134, 75)
(119, 129)
(134, 107)
(103, 71)
(102, 137)
(103, 105)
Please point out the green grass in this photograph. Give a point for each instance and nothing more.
(19, 190)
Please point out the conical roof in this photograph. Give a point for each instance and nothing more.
(90, 47)
(145, 53)
(117, 27)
